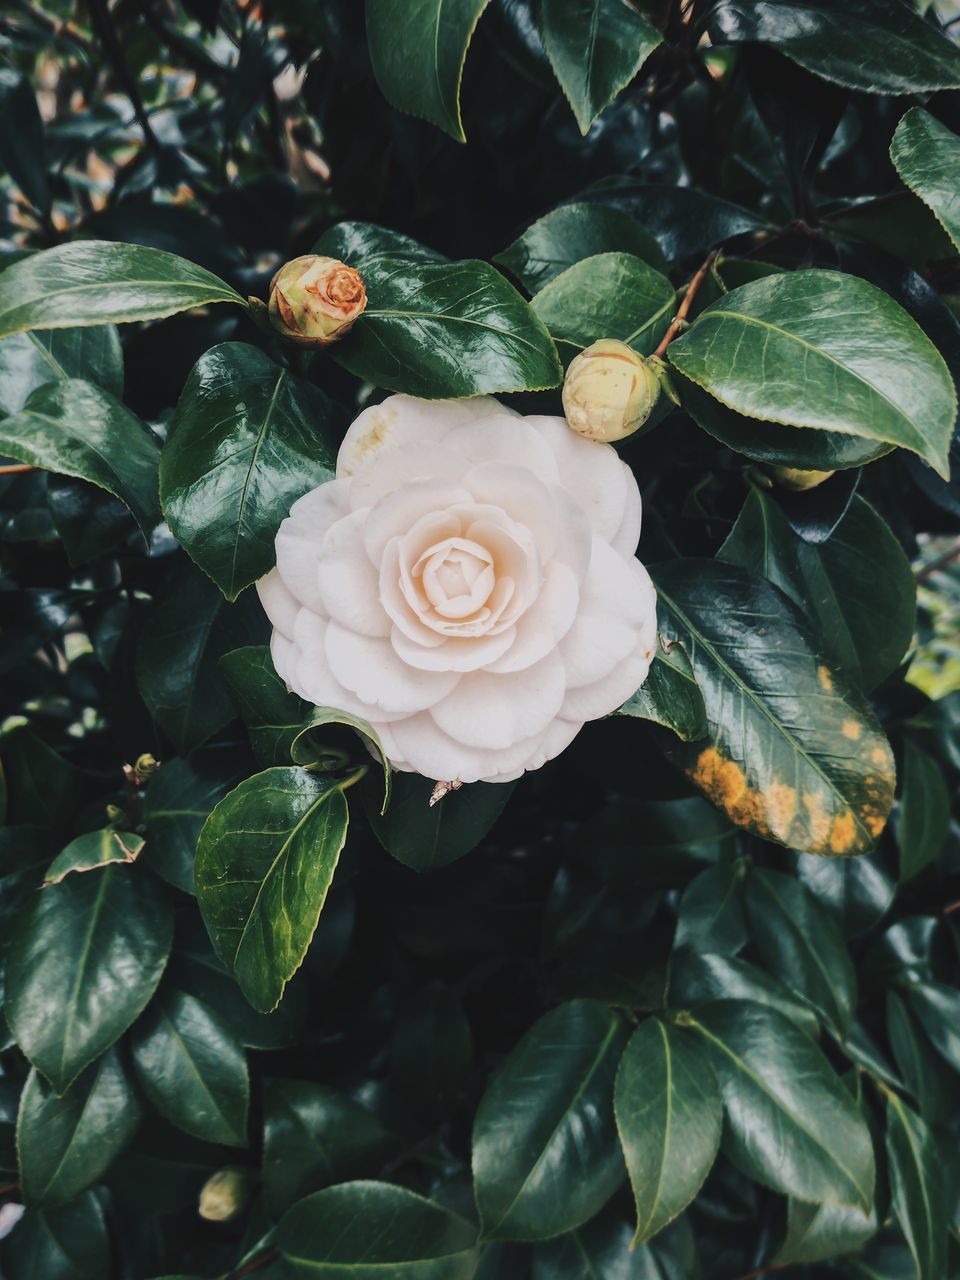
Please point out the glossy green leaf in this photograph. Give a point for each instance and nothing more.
(92, 850)
(246, 441)
(710, 915)
(369, 1230)
(669, 1117)
(794, 1125)
(882, 380)
(866, 44)
(857, 892)
(700, 978)
(265, 860)
(916, 1188)
(74, 429)
(792, 754)
(804, 447)
(425, 837)
(85, 958)
(178, 802)
(938, 1008)
(191, 1069)
(418, 55)
(438, 329)
(927, 156)
(313, 1137)
(819, 1232)
(29, 360)
(857, 588)
(188, 630)
(66, 1144)
(43, 789)
(98, 282)
(545, 1152)
(600, 1250)
(566, 235)
(595, 47)
(670, 695)
(611, 295)
(308, 745)
(65, 1243)
(924, 818)
(274, 717)
(360, 244)
(22, 150)
(930, 1081)
(801, 944)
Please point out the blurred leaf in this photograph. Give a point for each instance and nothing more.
(425, 837)
(938, 1008)
(916, 1188)
(857, 892)
(432, 1048)
(545, 1151)
(669, 1117)
(67, 1243)
(710, 915)
(265, 860)
(924, 812)
(929, 1080)
(820, 1232)
(595, 47)
(22, 151)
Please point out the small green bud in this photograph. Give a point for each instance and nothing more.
(225, 1194)
(609, 391)
(315, 300)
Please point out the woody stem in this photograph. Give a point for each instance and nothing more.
(676, 324)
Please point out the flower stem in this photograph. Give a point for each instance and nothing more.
(15, 469)
(676, 324)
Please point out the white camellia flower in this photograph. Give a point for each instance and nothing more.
(467, 584)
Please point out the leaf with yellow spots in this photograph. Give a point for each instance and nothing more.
(794, 754)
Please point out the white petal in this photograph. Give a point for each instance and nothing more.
(284, 656)
(299, 538)
(278, 604)
(496, 711)
(591, 701)
(398, 512)
(349, 585)
(628, 535)
(392, 469)
(434, 754)
(309, 675)
(404, 420)
(545, 623)
(522, 496)
(506, 439)
(460, 653)
(557, 738)
(617, 611)
(372, 669)
(591, 473)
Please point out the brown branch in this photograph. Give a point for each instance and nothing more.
(15, 469)
(8, 1187)
(954, 906)
(676, 324)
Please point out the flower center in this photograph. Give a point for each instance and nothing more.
(457, 576)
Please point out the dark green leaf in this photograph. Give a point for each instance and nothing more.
(669, 1117)
(43, 789)
(927, 156)
(793, 1124)
(818, 1232)
(883, 381)
(108, 282)
(866, 44)
(178, 802)
(929, 1080)
(68, 1243)
(545, 1152)
(307, 750)
(361, 243)
(697, 979)
(670, 695)
(595, 47)
(611, 295)
(93, 850)
(274, 717)
(29, 360)
(857, 892)
(801, 944)
(188, 630)
(369, 1230)
(22, 150)
(438, 329)
(432, 1048)
(265, 860)
(66, 1144)
(924, 818)
(425, 837)
(314, 1136)
(74, 429)
(857, 587)
(938, 1008)
(192, 1069)
(85, 958)
(418, 55)
(793, 755)
(916, 1188)
(566, 235)
(710, 915)
(246, 441)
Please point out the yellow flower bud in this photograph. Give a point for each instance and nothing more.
(609, 391)
(798, 480)
(315, 300)
(224, 1194)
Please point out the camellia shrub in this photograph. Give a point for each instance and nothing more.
(479, 646)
